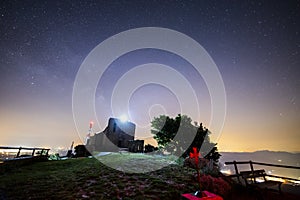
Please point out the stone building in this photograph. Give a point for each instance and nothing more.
(136, 146)
(117, 134)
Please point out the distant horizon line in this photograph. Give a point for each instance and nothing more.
(220, 151)
(264, 150)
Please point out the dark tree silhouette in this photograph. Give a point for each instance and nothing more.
(149, 148)
(178, 135)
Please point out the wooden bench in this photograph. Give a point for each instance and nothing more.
(257, 178)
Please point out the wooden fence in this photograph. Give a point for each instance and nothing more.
(35, 151)
(251, 163)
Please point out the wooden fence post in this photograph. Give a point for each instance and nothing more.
(251, 166)
(47, 151)
(236, 171)
(18, 154)
(252, 170)
(33, 150)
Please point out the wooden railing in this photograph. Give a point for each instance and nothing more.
(251, 163)
(43, 151)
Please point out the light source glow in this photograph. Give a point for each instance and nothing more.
(123, 118)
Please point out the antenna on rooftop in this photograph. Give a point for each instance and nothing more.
(89, 133)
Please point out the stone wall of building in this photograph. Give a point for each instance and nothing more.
(119, 133)
(116, 134)
(136, 146)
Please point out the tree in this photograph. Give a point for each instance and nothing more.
(150, 148)
(178, 135)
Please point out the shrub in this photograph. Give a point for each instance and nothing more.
(206, 166)
(216, 185)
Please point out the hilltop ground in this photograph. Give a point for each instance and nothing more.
(87, 178)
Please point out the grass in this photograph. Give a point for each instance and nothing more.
(88, 178)
(136, 163)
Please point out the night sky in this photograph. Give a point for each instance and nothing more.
(254, 44)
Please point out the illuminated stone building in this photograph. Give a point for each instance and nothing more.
(117, 134)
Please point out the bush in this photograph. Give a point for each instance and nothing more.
(208, 179)
(216, 185)
(206, 166)
(149, 148)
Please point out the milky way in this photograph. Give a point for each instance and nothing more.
(254, 44)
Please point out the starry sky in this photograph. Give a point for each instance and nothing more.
(255, 45)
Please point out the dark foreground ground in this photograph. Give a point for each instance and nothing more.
(87, 178)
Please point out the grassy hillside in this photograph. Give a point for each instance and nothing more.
(89, 178)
